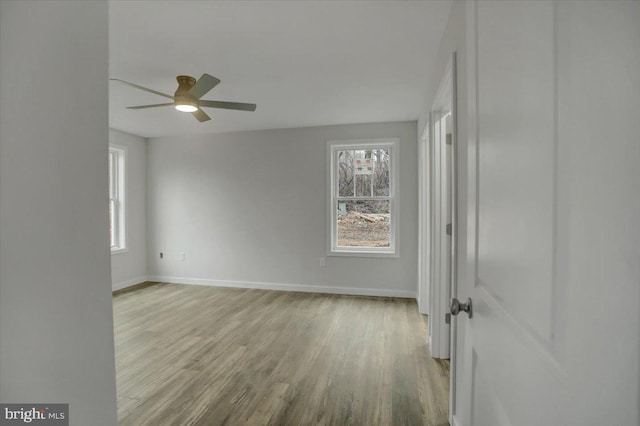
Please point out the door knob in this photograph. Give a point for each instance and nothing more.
(456, 307)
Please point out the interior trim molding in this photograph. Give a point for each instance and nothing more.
(354, 291)
(422, 307)
(128, 283)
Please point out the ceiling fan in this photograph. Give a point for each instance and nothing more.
(187, 97)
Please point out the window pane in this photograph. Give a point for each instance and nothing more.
(363, 185)
(112, 163)
(345, 173)
(382, 160)
(363, 161)
(364, 223)
(112, 235)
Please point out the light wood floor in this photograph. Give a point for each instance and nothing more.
(191, 355)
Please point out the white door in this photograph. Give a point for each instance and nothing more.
(553, 255)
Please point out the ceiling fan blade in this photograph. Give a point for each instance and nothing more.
(149, 106)
(201, 115)
(142, 88)
(228, 105)
(203, 85)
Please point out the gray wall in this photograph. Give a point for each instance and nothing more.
(250, 208)
(130, 267)
(56, 325)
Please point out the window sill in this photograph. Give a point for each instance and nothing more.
(354, 253)
(119, 251)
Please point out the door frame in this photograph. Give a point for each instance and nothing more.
(437, 269)
(438, 210)
(424, 220)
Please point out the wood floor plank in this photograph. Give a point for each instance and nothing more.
(195, 355)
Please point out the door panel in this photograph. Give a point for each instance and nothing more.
(513, 357)
(517, 157)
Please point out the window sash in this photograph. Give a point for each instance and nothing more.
(117, 159)
(113, 174)
(364, 147)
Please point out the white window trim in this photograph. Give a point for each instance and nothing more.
(332, 247)
(120, 185)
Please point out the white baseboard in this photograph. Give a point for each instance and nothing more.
(287, 287)
(128, 283)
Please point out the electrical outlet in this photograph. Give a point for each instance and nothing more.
(323, 261)
(181, 257)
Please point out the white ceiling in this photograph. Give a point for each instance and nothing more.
(304, 63)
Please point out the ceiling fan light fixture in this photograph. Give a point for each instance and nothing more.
(185, 104)
(186, 107)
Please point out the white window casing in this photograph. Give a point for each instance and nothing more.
(391, 146)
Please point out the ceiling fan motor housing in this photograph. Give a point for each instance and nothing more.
(182, 97)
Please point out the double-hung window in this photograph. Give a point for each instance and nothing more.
(363, 210)
(117, 228)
